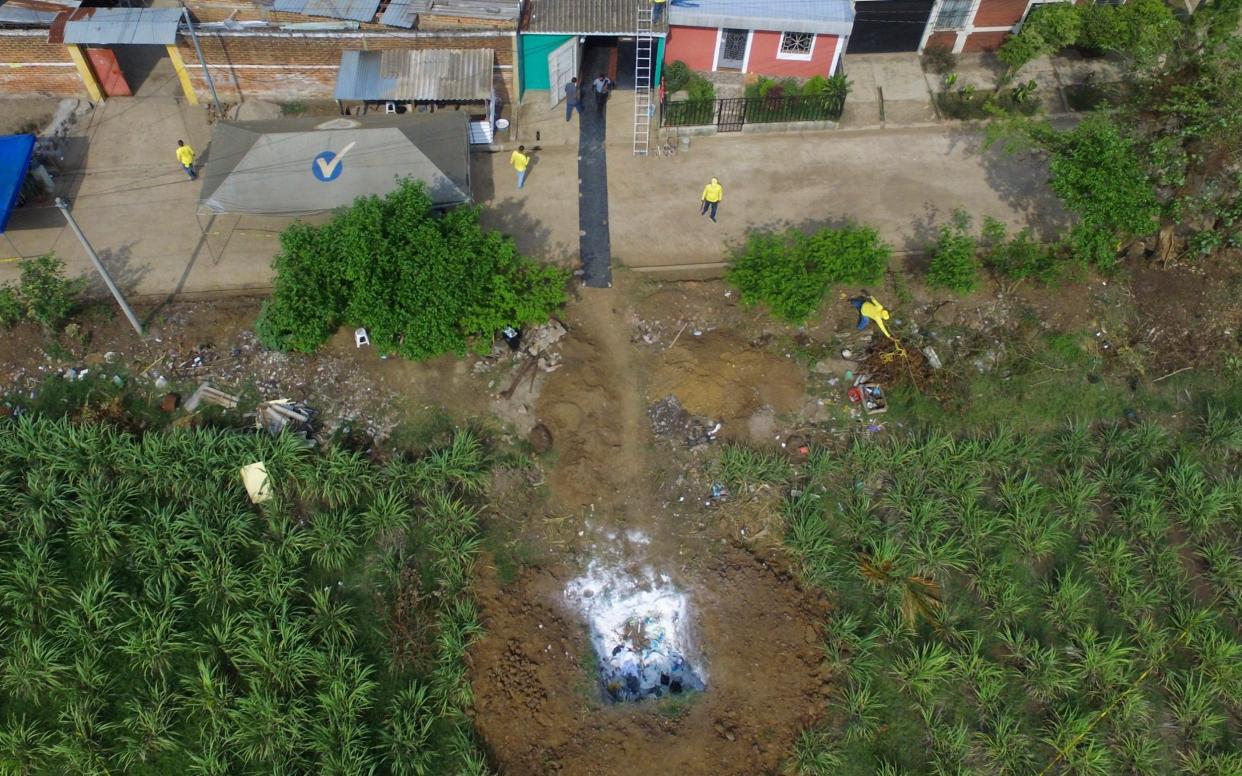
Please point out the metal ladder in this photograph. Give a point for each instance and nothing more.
(643, 43)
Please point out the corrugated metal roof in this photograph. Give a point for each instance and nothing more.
(34, 12)
(586, 17)
(419, 74)
(115, 26)
(827, 17)
(357, 10)
(405, 13)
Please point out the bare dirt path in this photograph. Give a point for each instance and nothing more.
(612, 500)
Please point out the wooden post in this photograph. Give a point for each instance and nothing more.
(84, 70)
(179, 65)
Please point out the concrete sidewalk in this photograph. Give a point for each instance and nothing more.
(139, 210)
(903, 182)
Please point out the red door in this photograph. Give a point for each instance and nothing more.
(111, 79)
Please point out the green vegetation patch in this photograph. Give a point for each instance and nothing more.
(156, 622)
(422, 282)
(1024, 604)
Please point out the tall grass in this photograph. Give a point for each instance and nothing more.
(153, 621)
(1062, 603)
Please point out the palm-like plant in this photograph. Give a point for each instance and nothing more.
(23, 745)
(1193, 707)
(883, 565)
(813, 755)
(925, 671)
(33, 666)
(1006, 747)
(862, 712)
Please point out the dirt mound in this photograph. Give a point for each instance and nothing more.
(719, 375)
(760, 640)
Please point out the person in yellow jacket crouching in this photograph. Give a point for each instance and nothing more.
(869, 309)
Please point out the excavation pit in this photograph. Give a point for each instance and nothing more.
(641, 630)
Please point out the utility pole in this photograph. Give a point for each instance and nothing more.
(211, 83)
(103, 272)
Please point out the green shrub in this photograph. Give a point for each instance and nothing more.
(790, 272)
(814, 86)
(701, 89)
(1097, 172)
(11, 312)
(43, 293)
(676, 75)
(954, 256)
(422, 283)
(838, 86)
(1019, 257)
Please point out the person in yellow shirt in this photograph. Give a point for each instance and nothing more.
(712, 193)
(869, 309)
(657, 11)
(520, 162)
(185, 155)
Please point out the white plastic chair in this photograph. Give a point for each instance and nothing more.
(361, 338)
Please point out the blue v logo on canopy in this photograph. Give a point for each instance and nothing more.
(327, 166)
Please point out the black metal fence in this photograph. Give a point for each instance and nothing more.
(730, 115)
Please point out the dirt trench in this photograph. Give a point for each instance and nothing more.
(538, 705)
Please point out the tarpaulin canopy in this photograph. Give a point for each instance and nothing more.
(15, 154)
(310, 165)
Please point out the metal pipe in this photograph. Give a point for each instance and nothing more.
(211, 84)
(99, 267)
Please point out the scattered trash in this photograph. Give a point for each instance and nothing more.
(110, 357)
(697, 333)
(933, 359)
(847, 353)
(869, 394)
(640, 629)
(275, 415)
(672, 421)
(258, 485)
(543, 337)
(512, 337)
(719, 491)
(170, 402)
(206, 393)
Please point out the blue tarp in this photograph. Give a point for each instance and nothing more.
(15, 153)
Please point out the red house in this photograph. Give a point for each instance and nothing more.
(767, 37)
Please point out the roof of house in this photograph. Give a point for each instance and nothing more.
(308, 165)
(116, 26)
(587, 17)
(418, 74)
(35, 13)
(827, 17)
(355, 10)
(405, 13)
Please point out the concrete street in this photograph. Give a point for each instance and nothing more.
(138, 209)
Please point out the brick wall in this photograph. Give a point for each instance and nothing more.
(984, 41)
(31, 65)
(290, 66)
(999, 13)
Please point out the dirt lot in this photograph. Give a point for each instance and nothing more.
(627, 477)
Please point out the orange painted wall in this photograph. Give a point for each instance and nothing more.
(984, 41)
(693, 45)
(764, 46)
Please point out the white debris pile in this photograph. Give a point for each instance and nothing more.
(641, 629)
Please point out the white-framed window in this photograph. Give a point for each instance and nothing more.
(953, 14)
(796, 45)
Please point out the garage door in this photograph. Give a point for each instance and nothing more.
(884, 26)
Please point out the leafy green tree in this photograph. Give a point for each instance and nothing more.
(422, 283)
